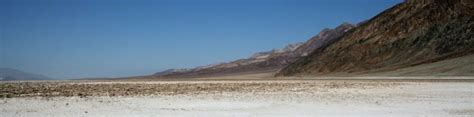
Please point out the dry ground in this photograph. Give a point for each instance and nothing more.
(239, 98)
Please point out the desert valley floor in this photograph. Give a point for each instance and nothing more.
(362, 97)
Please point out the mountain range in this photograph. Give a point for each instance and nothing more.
(412, 33)
(262, 62)
(7, 74)
(415, 37)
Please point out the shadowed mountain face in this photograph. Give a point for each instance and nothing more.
(409, 34)
(7, 74)
(269, 61)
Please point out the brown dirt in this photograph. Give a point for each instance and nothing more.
(143, 88)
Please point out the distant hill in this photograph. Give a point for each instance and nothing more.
(261, 62)
(7, 74)
(410, 34)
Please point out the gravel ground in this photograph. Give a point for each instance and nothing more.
(239, 98)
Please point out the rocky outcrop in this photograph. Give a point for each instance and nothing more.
(411, 33)
(268, 61)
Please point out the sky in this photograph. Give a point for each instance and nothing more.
(67, 39)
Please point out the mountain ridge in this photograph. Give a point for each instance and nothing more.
(8, 74)
(410, 33)
(267, 61)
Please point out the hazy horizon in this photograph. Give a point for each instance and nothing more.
(72, 39)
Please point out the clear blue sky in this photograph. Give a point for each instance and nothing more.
(67, 39)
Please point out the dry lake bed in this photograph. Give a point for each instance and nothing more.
(443, 98)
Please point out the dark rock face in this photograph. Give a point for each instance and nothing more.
(269, 61)
(408, 34)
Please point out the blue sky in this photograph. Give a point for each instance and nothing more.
(67, 39)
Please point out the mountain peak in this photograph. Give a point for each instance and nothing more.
(344, 27)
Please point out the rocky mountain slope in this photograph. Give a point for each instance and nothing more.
(7, 74)
(460, 66)
(411, 33)
(269, 61)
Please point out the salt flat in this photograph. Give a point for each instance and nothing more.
(242, 98)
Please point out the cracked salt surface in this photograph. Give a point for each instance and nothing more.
(410, 99)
